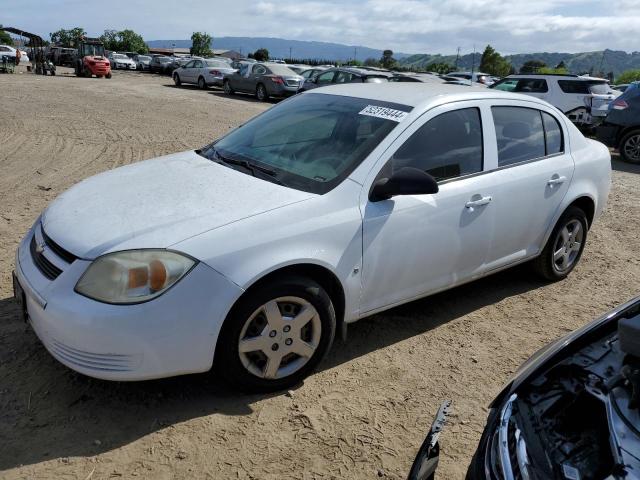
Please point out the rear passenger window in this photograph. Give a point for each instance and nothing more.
(532, 85)
(447, 146)
(574, 86)
(519, 133)
(553, 134)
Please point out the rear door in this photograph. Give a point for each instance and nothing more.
(532, 172)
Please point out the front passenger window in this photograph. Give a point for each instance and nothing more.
(447, 146)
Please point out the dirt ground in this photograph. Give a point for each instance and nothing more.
(367, 409)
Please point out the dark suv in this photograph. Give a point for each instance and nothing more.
(621, 128)
(346, 75)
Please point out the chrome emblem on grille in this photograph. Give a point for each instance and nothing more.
(40, 247)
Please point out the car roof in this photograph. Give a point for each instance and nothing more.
(419, 95)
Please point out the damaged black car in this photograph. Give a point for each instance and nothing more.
(572, 412)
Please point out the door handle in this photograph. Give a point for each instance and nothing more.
(556, 181)
(477, 203)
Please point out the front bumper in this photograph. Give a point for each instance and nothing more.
(173, 334)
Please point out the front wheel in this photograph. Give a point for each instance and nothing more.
(176, 80)
(564, 248)
(261, 93)
(630, 147)
(108, 75)
(276, 335)
(226, 86)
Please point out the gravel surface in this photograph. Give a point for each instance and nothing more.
(362, 415)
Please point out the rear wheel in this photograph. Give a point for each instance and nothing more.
(261, 93)
(226, 86)
(276, 335)
(201, 83)
(176, 80)
(564, 248)
(108, 75)
(630, 147)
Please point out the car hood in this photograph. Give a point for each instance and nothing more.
(157, 203)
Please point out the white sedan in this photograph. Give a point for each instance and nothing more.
(250, 253)
(8, 51)
(203, 72)
(120, 60)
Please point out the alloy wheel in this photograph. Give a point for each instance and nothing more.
(632, 148)
(567, 245)
(280, 337)
(261, 93)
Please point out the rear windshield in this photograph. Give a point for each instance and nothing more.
(281, 70)
(217, 64)
(311, 142)
(599, 88)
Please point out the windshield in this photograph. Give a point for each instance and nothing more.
(281, 70)
(599, 88)
(164, 59)
(217, 64)
(143, 58)
(93, 50)
(312, 142)
(119, 56)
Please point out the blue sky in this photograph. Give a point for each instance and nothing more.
(411, 26)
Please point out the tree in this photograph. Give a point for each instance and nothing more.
(261, 55)
(387, 61)
(561, 66)
(67, 38)
(628, 76)
(439, 67)
(532, 66)
(201, 44)
(371, 62)
(493, 63)
(124, 41)
(5, 38)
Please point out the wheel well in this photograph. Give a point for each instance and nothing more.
(623, 133)
(322, 275)
(587, 206)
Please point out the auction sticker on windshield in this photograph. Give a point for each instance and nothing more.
(383, 112)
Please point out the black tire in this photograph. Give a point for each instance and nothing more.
(261, 93)
(227, 362)
(226, 86)
(202, 84)
(546, 265)
(630, 147)
(176, 80)
(108, 75)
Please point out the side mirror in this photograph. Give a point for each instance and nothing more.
(406, 181)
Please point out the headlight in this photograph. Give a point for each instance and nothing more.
(133, 276)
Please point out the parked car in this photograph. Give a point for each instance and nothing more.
(312, 72)
(264, 80)
(298, 68)
(621, 128)
(9, 51)
(620, 87)
(251, 252)
(142, 61)
(579, 97)
(121, 61)
(159, 63)
(345, 75)
(415, 77)
(572, 411)
(204, 73)
(475, 77)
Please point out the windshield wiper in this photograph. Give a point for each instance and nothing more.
(252, 167)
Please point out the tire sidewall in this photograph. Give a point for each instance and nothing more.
(261, 96)
(226, 86)
(201, 83)
(227, 358)
(176, 80)
(572, 213)
(625, 139)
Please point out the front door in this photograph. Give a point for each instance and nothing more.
(418, 244)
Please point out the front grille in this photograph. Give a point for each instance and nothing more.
(57, 249)
(47, 268)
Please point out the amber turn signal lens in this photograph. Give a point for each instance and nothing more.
(138, 277)
(157, 275)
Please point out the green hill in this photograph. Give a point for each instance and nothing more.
(595, 62)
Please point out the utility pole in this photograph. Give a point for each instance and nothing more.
(290, 57)
(355, 54)
(457, 58)
(473, 65)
